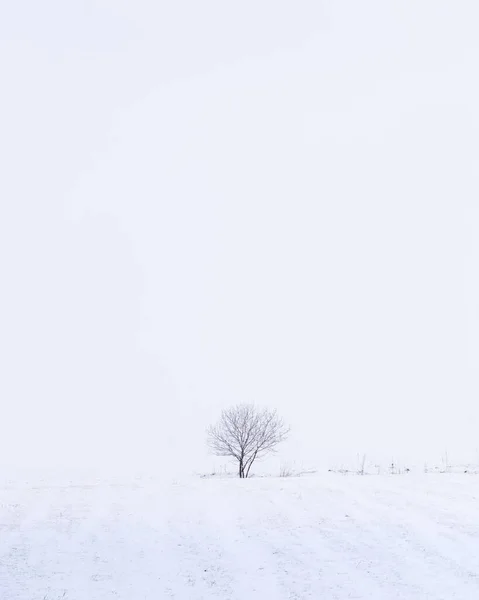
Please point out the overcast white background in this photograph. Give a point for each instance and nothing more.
(205, 203)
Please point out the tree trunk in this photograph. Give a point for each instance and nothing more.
(252, 459)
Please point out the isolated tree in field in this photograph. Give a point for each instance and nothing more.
(246, 434)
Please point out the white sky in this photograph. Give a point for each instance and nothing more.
(205, 203)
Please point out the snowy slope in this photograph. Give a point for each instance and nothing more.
(329, 537)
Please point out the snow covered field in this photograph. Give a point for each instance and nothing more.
(323, 537)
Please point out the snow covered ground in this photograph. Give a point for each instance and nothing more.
(323, 537)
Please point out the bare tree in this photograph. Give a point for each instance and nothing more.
(246, 434)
